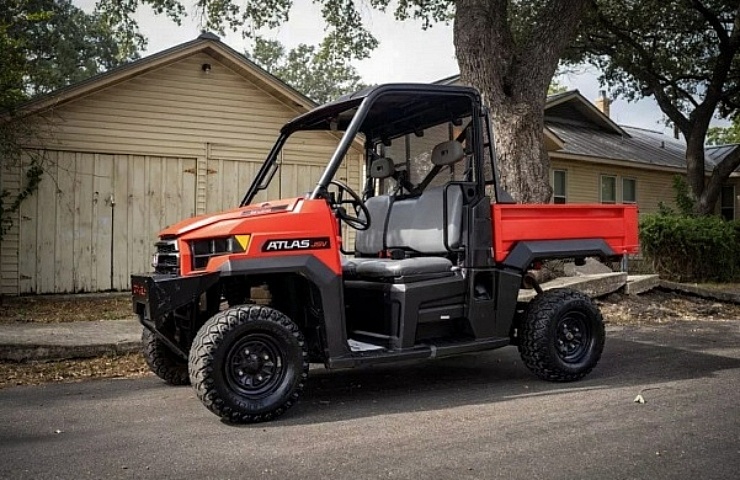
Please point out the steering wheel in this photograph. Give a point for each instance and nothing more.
(358, 206)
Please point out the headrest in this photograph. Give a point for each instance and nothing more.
(382, 167)
(447, 153)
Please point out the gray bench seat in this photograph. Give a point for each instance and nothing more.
(406, 270)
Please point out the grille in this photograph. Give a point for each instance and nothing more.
(167, 258)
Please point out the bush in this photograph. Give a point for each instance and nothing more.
(687, 248)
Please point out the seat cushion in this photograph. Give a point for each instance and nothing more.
(406, 270)
(349, 265)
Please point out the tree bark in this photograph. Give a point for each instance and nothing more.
(513, 75)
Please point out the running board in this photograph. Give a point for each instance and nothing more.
(417, 352)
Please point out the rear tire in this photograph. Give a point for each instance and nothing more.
(249, 364)
(562, 336)
(162, 361)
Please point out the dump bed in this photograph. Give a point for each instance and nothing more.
(615, 224)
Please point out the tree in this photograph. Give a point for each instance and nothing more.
(684, 53)
(556, 87)
(45, 45)
(316, 73)
(508, 49)
(725, 135)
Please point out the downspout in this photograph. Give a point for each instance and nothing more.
(112, 201)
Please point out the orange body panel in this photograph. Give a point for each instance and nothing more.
(274, 221)
(615, 224)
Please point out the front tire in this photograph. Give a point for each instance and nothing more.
(562, 336)
(165, 363)
(249, 364)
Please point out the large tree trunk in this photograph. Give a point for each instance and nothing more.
(707, 202)
(706, 192)
(513, 73)
(695, 170)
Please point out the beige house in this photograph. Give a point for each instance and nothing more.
(595, 160)
(173, 135)
(603, 162)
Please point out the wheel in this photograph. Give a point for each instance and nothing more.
(165, 363)
(361, 219)
(249, 364)
(562, 335)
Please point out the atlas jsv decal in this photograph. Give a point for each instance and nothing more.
(285, 244)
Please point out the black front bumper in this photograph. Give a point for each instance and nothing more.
(156, 295)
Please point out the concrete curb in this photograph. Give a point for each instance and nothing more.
(701, 292)
(63, 341)
(597, 285)
(637, 284)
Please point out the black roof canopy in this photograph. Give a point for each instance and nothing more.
(396, 109)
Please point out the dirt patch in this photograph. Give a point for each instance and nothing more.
(58, 309)
(663, 307)
(35, 373)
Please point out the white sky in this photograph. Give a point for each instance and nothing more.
(406, 53)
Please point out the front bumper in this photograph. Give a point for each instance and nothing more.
(156, 295)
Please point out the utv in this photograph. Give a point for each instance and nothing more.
(438, 256)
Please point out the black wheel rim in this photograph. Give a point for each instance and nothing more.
(255, 366)
(573, 337)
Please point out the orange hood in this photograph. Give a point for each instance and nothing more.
(258, 209)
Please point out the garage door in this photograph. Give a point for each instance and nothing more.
(95, 218)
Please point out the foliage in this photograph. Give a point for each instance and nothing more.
(556, 87)
(684, 200)
(691, 248)
(60, 44)
(686, 54)
(317, 73)
(45, 45)
(725, 135)
(33, 175)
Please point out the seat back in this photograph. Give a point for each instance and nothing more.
(370, 241)
(419, 224)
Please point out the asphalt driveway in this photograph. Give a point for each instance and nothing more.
(477, 416)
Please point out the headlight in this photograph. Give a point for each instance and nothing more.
(203, 250)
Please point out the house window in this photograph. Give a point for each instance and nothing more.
(559, 183)
(608, 189)
(727, 202)
(629, 190)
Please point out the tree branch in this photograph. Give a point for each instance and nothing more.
(650, 77)
(713, 21)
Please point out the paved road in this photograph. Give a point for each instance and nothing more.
(480, 416)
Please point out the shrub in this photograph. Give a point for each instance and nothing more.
(688, 248)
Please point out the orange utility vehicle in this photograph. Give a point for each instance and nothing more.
(439, 255)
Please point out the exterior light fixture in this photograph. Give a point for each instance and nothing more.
(206, 67)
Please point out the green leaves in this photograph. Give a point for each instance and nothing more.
(318, 73)
(691, 248)
(47, 44)
(725, 135)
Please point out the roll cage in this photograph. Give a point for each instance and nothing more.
(383, 114)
